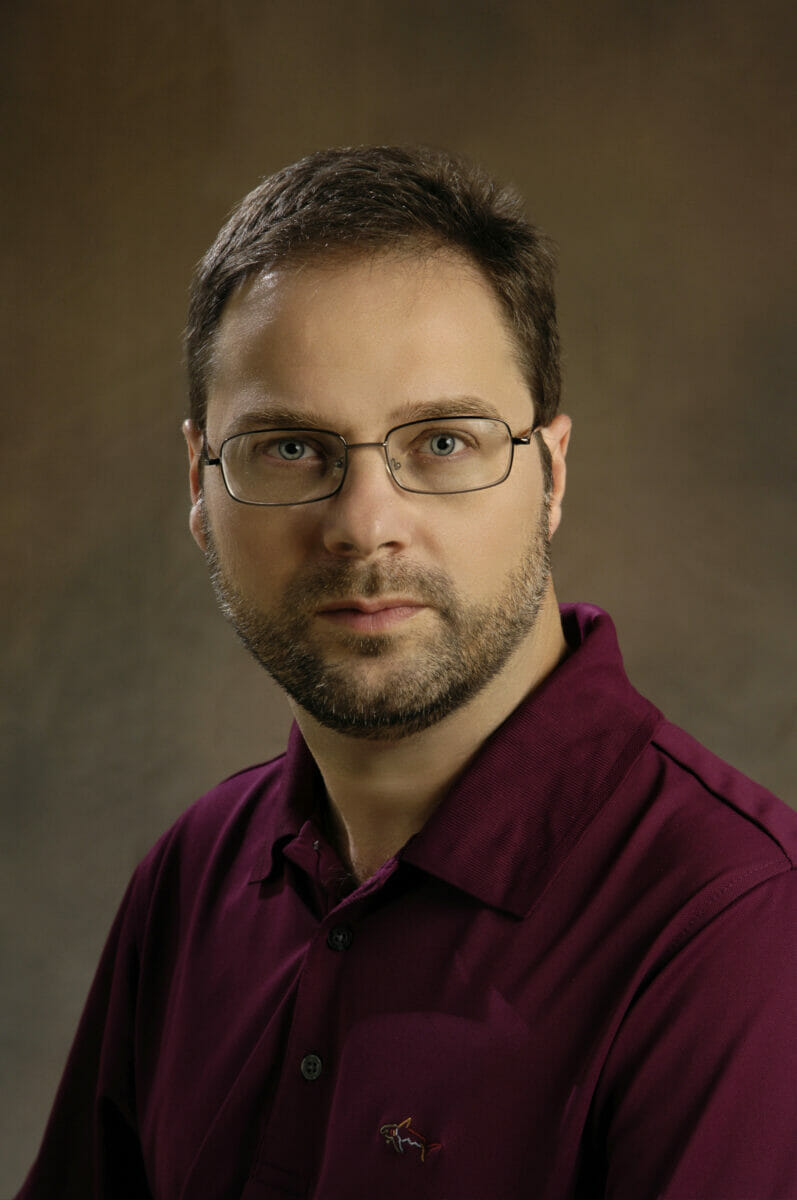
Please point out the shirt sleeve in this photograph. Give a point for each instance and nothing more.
(699, 1098)
(90, 1149)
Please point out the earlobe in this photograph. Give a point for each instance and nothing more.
(196, 520)
(557, 438)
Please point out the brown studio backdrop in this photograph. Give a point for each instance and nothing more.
(656, 146)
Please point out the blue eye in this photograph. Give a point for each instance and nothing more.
(443, 443)
(292, 450)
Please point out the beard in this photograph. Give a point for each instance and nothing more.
(445, 667)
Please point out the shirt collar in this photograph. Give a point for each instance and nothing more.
(507, 824)
(300, 795)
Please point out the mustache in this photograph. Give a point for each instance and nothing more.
(338, 580)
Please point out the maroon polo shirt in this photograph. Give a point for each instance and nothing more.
(578, 980)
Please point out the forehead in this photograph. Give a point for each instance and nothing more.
(364, 340)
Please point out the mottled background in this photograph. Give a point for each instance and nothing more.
(655, 142)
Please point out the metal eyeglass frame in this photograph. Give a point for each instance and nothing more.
(519, 440)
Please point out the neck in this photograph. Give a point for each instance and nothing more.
(381, 792)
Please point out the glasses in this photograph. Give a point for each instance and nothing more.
(299, 466)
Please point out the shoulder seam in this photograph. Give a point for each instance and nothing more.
(712, 904)
(742, 812)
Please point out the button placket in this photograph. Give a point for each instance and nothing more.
(340, 937)
(311, 1053)
(311, 1067)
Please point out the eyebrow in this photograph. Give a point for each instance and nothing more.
(274, 417)
(449, 406)
(284, 417)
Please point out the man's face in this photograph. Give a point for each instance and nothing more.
(378, 610)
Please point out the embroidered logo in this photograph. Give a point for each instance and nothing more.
(403, 1137)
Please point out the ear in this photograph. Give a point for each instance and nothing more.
(557, 438)
(193, 437)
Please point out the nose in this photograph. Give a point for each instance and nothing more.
(370, 515)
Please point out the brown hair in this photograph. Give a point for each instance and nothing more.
(376, 198)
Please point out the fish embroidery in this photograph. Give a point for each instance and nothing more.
(402, 1136)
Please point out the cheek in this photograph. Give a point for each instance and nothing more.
(486, 544)
(499, 556)
(255, 548)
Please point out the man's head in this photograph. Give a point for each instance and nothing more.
(386, 599)
(412, 200)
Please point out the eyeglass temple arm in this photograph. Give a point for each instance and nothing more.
(525, 439)
(206, 459)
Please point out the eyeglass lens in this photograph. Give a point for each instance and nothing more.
(291, 466)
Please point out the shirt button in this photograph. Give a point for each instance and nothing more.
(339, 938)
(311, 1066)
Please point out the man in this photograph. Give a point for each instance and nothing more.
(492, 928)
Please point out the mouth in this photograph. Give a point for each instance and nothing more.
(374, 615)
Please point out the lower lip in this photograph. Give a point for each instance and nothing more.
(371, 622)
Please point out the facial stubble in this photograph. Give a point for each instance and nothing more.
(445, 668)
